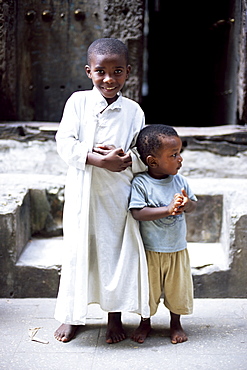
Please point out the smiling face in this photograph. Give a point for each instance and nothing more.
(167, 160)
(108, 73)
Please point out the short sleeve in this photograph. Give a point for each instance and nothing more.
(137, 198)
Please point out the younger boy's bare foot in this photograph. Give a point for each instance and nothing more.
(141, 333)
(115, 332)
(176, 331)
(65, 332)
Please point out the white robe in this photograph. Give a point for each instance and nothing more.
(104, 259)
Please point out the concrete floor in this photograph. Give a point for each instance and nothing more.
(217, 333)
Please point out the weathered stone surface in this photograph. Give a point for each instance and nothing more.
(221, 147)
(131, 14)
(36, 282)
(40, 209)
(219, 181)
(205, 164)
(46, 208)
(15, 231)
(38, 268)
(238, 270)
(48, 66)
(28, 131)
(35, 156)
(222, 140)
(8, 58)
(32, 157)
(14, 235)
(208, 283)
(232, 281)
(204, 224)
(22, 225)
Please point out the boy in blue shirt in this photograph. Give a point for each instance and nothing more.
(159, 199)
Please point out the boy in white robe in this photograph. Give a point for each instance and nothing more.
(104, 260)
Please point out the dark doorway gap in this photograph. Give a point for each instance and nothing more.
(190, 80)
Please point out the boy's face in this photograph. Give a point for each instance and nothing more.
(108, 73)
(167, 160)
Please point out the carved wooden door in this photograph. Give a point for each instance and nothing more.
(52, 39)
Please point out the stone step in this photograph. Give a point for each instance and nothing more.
(206, 258)
(47, 253)
(38, 268)
(218, 225)
(43, 257)
(42, 253)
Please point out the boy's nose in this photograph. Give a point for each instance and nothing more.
(108, 79)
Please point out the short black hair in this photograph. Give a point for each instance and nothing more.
(105, 46)
(149, 139)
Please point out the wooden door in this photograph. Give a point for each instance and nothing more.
(52, 40)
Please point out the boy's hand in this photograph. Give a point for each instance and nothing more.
(103, 149)
(188, 204)
(174, 205)
(180, 202)
(116, 160)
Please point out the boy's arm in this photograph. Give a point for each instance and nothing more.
(155, 213)
(149, 213)
(72, 150)
(180, 203)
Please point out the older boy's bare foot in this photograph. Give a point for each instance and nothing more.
(115, 332)
(65, 332)
(141, 333)
(176, 331)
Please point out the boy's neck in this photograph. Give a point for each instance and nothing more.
(111, 100)
(156, 176)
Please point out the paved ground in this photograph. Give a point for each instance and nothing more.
(217, 339)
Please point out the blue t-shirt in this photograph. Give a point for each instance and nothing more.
(166, 234)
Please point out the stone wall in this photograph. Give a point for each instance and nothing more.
(8, 50)
(130, 14)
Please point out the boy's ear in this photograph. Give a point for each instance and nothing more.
(88, 71)
(151, 161)
(128, 71)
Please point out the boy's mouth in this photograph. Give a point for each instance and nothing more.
(108, 88)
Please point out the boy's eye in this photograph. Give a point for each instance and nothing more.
(175, 155)
(118, 71)
(100, 71)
